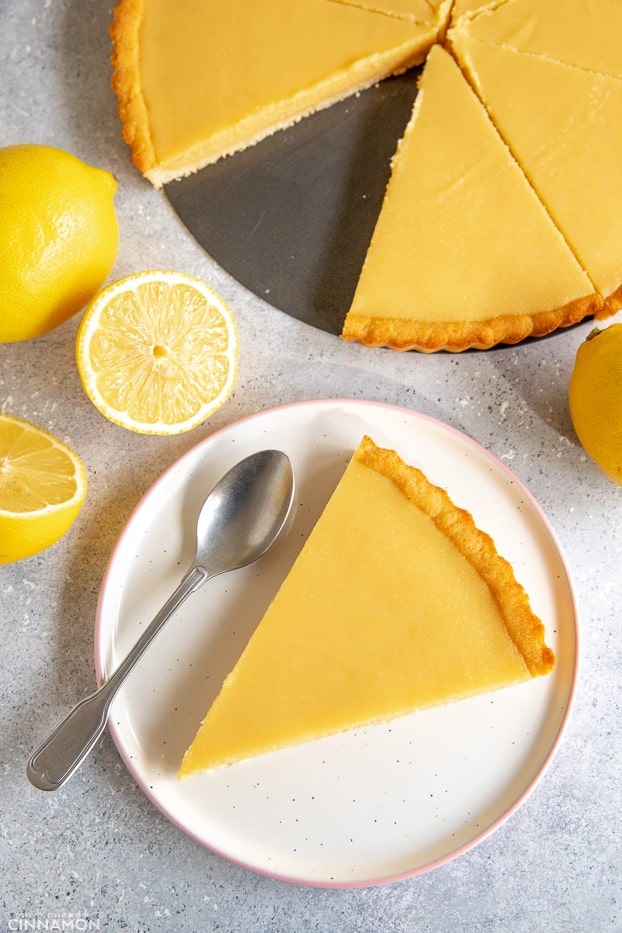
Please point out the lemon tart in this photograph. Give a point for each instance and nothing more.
(196, 81)
(455, 260)
(397, 602)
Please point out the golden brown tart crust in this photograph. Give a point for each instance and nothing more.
(523, 626)
(124, 31)
(456, 336)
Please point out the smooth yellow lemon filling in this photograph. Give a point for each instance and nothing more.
(291, 57)
(585, 34)
(568, 146)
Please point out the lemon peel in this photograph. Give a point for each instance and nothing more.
(58, 237)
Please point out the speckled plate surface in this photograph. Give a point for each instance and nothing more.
(373, 805)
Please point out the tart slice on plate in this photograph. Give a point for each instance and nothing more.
(397, 602)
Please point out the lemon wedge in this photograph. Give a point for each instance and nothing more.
(157, 352)
(42, 487)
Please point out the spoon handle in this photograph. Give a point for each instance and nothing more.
(69, 744)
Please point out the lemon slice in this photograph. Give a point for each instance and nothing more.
(42, 488)
(157, 352)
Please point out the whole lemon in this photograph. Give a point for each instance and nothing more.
(595, 399)
(58, 237)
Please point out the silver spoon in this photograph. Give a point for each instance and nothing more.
(240, 519)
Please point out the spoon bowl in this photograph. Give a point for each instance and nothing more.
(244, 513)
(239, 521)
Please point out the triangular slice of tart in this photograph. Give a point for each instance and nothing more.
(397, 602)
(197, 81)
(419, 11)
(463, 253)
(584, 33)
(562, 124)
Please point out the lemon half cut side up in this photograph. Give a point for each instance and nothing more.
(43, 485)
(157, 352)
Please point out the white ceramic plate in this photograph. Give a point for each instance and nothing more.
(366, 807)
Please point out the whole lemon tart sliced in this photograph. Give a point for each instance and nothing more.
(463, 253)
(197, 81)
(397, 602)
